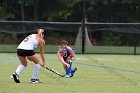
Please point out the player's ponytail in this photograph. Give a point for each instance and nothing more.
(40, 31)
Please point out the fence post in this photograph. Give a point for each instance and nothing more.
(83, 26)
(135, 44)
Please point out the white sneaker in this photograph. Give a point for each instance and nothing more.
(68, 75)
(35, 80)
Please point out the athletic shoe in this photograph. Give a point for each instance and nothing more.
(35, 81)
(73, 70)
(16, 78)
(67, 76)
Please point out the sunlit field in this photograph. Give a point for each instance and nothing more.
(95, 74)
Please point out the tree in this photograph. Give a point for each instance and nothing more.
(4, 14)
(24, 3)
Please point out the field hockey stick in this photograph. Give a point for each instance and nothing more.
(52, 70)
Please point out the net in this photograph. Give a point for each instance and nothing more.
(78, 41)
(118, 38)
(31, 26)
(13, 32)
(132, 28)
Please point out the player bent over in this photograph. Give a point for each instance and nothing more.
(66, 55)
(25, 51)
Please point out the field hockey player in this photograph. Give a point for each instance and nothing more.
(25, 51)
(66, 55)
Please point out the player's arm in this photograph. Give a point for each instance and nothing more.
(41, 46)
(61, 58)
(72, 54)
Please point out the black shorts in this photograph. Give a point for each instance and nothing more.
(22, 52)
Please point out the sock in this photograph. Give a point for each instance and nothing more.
(20, 69)
(68, 70)
(36, 71)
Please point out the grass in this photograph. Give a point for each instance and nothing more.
(94, 49)
(91, 77)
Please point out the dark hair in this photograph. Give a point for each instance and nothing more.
(63, 42)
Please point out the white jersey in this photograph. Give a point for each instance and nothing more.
(29, 43)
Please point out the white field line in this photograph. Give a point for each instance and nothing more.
(81, 58)
(106, 76)
(102, 59)
(78, 58)
(93, 72)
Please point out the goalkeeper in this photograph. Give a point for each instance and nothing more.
(66, 55)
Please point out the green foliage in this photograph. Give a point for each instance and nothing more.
(67, 10)
(8, 38)
(4, 15)
(26, 2)
(120, 39)
(55, 38)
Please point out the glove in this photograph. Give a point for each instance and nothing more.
(68, 65)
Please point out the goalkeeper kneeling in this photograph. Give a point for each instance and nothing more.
(66, 55)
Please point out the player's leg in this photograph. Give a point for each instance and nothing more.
(20, 68)
(23, 64)
(35, 59)
(68, 69)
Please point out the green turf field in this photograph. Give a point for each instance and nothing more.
(96, 74)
